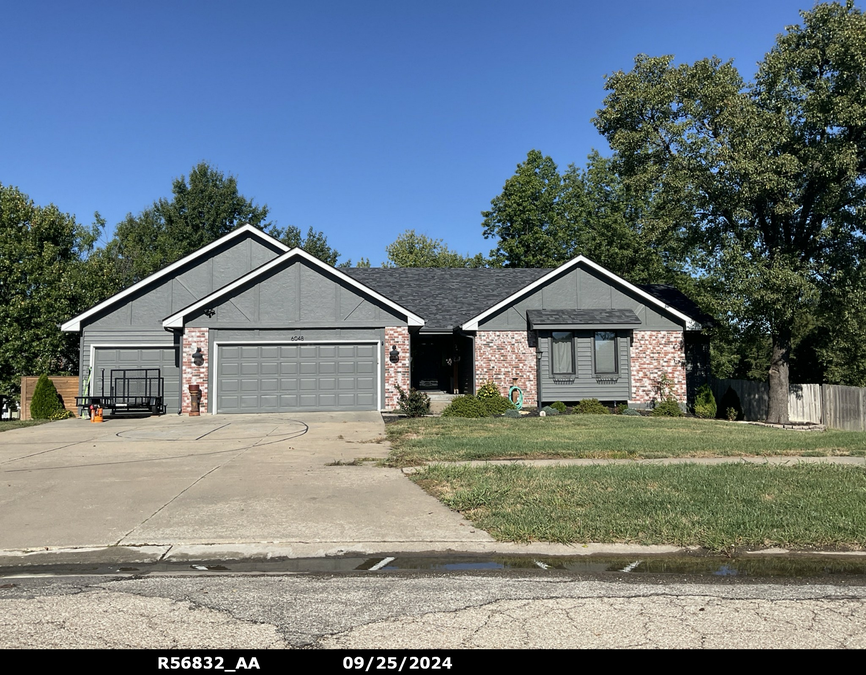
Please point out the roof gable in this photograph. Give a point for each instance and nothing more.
(74, 324)
(551, 275)
(263, 272)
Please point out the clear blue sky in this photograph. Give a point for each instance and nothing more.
(360, 119)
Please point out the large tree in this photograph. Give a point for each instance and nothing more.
(315, 243)
(203, 208)
(419, 250)
(42, 284)
(544, 218)
(766, 180)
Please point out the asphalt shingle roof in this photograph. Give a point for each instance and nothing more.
(448, 297)
(541, 317)
(445, 297)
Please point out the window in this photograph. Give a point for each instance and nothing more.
(605, 352)
(562, 357)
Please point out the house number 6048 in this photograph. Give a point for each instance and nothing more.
(297, 338)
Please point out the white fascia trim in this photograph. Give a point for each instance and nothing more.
(472, 324)
(74, 325)
(177, 320)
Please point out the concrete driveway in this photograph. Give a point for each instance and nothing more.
(238, 480)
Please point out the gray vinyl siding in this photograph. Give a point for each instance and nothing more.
(584, 383)
(580, 288)
(297, 295)
(148, 307)
(130, 340)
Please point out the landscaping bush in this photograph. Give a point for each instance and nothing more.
(559, 406)
(729, 407)
(667, 408)
(465, 406)
(705, 402)
(414, 404)
(513, 413)
(488, 390)
(496, 405)
(549, 410)
(621, 408)
(630, 411)
(590, 406)
(45, 402)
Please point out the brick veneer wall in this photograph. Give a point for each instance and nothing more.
(396, 373)
(654, 352)
(502, 356)
(193, 374)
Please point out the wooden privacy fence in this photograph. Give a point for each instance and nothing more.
(66, 385)
(829, 404)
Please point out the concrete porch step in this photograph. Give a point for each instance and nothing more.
(439, 400)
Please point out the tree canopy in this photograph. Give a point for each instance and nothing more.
(42, 284)
(202, 209)
(419, 250)
(544, 218)
(761, 182)
(315, 243)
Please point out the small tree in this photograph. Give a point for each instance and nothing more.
(46, 401)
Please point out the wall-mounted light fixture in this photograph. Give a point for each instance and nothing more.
(198, 357)
(209, 313)
(394, 354)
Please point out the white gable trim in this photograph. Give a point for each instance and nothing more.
(472, 324)
(74, 325)
(177, 320)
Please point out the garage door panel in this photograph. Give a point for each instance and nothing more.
(320, 377)
(106, 359)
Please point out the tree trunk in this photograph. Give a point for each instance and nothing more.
(779, 368)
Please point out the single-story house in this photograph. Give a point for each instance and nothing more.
(264, 328)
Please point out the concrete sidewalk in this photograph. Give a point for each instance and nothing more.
(262, 481)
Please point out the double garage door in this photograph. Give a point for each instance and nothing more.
(287, 378)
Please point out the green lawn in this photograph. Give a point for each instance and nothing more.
(417, 441)
(719, 507)
(6, 425)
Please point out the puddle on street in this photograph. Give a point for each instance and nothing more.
(707, 566)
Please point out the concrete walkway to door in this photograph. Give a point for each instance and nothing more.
(245, 482)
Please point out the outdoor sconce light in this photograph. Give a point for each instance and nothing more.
(198, 357)
(394, 354)
(209, 313)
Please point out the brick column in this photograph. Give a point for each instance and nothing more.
(194, 338)
(503, 356)
(396, 373)
(654, 352)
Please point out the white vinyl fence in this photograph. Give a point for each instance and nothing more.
(829, 404)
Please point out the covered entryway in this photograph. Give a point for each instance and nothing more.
(253, 378)
(105, 359)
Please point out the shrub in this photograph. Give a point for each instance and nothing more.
(667, 408)
(45, 402)
(591, 406)
(489, 390)
(559, 406)
(414, 404)
(513, 413)
(705, 402)
(621, 408)
(549, 410)
(496, 405)
(630, 411)
(465, 406)
(61, 415)
(730, 401)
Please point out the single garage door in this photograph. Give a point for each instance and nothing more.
(164, 358)
(286, 378)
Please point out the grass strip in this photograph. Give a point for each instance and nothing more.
(720, 507)
(7, 425)
(605, 437)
